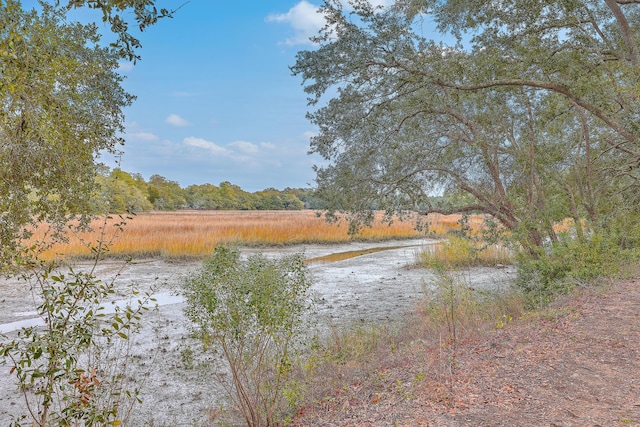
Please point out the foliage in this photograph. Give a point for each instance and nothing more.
(119, 192)
(305, 195)
(571, 262)
(73, 370)
(62, 104)
(165, 194)
(252, 311)
(272, 199)
(228, 196)
(116, 12)
(529, 119)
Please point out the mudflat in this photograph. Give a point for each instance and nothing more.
(378, 283)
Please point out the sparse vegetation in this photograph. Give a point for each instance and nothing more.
(460, 252)
(379, 360)
(73, 370)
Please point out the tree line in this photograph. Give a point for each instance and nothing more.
(117, 191)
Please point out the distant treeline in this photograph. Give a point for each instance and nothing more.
(118, 191)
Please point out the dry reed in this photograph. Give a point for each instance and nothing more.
(194, 234)
(458, 252)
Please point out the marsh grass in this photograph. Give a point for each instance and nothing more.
(460, 252)
(194, 234)
(438, 225)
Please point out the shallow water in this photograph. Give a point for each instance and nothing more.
(159, 299)
(341, 256)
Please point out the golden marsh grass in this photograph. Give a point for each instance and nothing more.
(194, 234)
(457, 252)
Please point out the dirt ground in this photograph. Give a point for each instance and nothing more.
(577, 363)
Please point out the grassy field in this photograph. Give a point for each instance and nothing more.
(194, 234)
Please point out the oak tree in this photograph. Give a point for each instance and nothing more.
(532, 113)
(61, 103)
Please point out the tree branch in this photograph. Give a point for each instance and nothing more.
(562, 90)
(625, 29)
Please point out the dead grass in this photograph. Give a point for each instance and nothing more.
(575, 363)
(442, 225)
(194, 234)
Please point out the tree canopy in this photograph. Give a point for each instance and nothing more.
(115, 12)
(532, 114)
(61, 104)
(119, 192)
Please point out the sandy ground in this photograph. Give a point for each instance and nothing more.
(175, 389)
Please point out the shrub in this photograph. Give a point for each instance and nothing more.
(571, 262)
(251, 311)
(73, 370)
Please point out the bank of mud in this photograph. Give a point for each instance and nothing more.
(177, 387)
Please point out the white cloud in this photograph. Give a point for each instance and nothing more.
(306, 20)
(303, 18)
(245, 147)
(309, 134)
(383, 3)
(144, 136)
(176, 120)
(207, 145)
(268, 145)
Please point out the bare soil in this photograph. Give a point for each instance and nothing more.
(575, 363)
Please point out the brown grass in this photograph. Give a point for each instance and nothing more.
(574, 363)
(194, 234)
(440, 225)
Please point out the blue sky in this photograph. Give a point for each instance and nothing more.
(216, 99)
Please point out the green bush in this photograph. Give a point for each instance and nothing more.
(252, 311)
(73, 371)
(571, 262)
